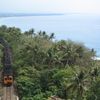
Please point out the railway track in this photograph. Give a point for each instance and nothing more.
(8, 93)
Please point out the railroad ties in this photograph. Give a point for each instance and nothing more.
(8, 94)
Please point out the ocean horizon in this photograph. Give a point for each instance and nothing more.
(83, 28)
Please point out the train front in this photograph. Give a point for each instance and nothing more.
(8, 79)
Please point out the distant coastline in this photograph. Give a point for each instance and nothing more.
(1, 17)
(4, 15)
(9, 15)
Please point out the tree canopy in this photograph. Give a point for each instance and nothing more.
(44, 68)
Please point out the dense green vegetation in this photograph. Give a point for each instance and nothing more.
(45, 68)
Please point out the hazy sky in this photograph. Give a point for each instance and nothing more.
(50, 6)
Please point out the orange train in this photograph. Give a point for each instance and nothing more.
(8, 79)
(7, 73)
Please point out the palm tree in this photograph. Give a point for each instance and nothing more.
(8, 29)
(69, 53)
(26, 33)
(40, 33)
(79, 84)
(51, 36)
(31, 32)
(94, 73)
(15, 33)
(53, 57)
(3, 28)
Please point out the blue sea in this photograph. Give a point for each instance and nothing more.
(83, 28)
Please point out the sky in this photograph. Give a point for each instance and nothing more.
(49, 6)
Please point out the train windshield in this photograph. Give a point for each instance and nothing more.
(10, 78)
(5, 78)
